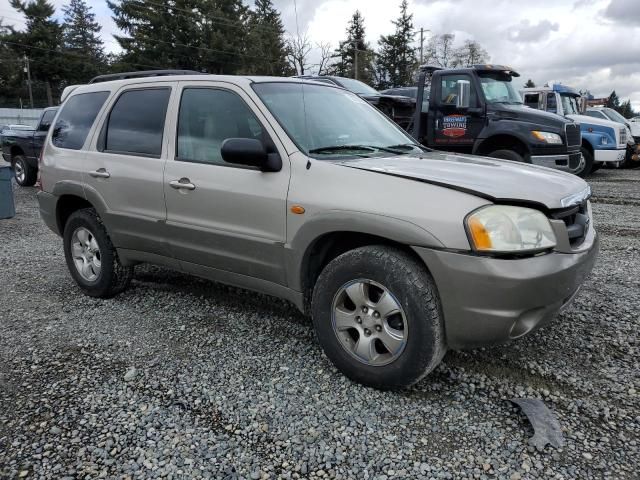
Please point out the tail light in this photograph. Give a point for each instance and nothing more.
(39, 177)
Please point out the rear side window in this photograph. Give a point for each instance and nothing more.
(207, 118)
(75, 120)
(136, 122)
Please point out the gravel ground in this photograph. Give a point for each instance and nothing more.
(183, 378)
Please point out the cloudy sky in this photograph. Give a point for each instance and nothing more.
(589, 44)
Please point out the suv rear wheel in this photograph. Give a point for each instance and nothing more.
(25, 174)
(91, 258)
(377, 316)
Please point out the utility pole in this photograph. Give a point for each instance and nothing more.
(421, 43)
(27, 70)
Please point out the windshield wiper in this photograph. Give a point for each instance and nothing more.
(409, 146)
(364, 148)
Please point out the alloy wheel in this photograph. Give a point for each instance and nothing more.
(86, 254)
(369, 322)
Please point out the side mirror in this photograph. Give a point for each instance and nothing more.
(250, 152)
(44, 127)
(464, 94)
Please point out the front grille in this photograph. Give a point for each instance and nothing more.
(572, 131)
(623, 136)
(577, 220)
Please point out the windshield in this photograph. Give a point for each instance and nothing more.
(570, 104)
(615, 116)
(356, 86)
(330, 122)
(498, 88)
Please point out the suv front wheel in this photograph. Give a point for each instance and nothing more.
(91, 258)
(377, 316)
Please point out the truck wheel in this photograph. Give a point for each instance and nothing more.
(91, 258)
(588, 163)
(596, 166)
(508, 155)
(25, 174)
(377, 316)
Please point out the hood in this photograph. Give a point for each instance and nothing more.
(586, 119)
(527, 114)
(493, 179)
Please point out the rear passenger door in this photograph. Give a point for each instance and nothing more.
(124, 169)
(231, 218)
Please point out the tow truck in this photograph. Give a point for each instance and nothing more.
(603, 141)
(477, 110)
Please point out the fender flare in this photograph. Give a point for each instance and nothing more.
(339, 221)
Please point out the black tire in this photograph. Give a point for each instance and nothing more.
(30, 174)
(412, 287)
(588, 163)
(113, 277)
(508, 155)
(596, 166)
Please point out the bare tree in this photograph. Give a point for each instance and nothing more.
(471, 53)
(298, 48)
(444, 49)
(325, 57)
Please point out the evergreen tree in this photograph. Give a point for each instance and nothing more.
(266, 47)
(529, 84)
(613, 101)
(354, 50)
(204, 35)
(396, 61)
(41, 43)
(626, 110)
(86, 57)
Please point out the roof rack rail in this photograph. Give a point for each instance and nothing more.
(141, 74)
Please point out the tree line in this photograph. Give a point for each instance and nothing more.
(213, 36)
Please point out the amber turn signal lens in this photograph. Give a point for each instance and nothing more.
(297, 209)
(479, 234)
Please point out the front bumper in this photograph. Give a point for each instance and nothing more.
(488, 301)
(609, 155)
(571, 162)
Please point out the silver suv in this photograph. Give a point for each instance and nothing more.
(306, 192)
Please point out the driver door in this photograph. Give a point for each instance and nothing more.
(455, 128)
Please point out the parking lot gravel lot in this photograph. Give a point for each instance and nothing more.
(184, 378)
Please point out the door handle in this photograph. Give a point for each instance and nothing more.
(183, 183)
(100, 173)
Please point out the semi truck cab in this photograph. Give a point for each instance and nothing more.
(603, 141)
(477, 110)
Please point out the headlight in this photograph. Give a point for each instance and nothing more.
(508, 229)
(547, 137)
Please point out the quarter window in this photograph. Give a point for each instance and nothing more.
(75, 120)
(136, 122)
(207, 118)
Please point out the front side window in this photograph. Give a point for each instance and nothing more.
(552, 103)
(76, 118)
(531, 99)
(449, 89)
(329, 122)
(45, 121)
(207, 118)
(570, 104)
(498, 88)
(136, 122)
